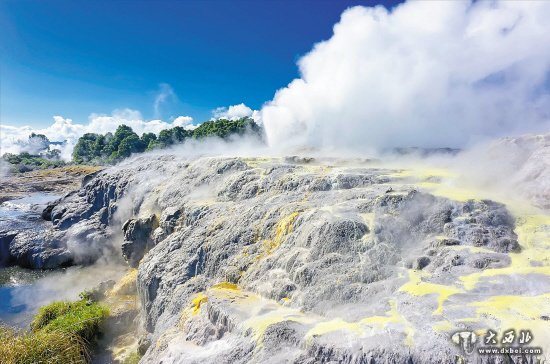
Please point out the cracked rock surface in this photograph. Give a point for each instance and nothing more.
(272, 260)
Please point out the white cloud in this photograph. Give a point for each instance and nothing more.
(185, 122)
(12, 138)
(9, 137)
(165, 93)
(426, 74)
(98, 123)
(233, 112)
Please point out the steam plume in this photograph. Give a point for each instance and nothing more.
(426, 74)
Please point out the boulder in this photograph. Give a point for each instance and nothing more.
(36, 250)
(47, 212)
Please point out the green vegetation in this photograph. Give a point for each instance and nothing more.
(168, 137)
(224, 128)
(37, 155)
(41, 347)
(109, 148)
(26, 162)
(82, 318)
(61, 332)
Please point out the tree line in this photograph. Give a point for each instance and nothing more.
(35, 154)
(93, 148)
(111, 148)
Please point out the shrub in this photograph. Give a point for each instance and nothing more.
(27, 162)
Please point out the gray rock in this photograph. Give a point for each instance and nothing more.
(47, 212)
(143, 344)
(6, 238)
(312, 256)
(34, 249)
(421, 263)
(298, 159)
(138, 238)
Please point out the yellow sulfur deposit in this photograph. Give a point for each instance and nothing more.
(458, 304)
(334, 325)
(196, 303)
(283, 228)
(534, 238)
(226, 285)
(417, 287)
(364, 326)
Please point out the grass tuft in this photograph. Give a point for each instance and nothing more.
(41, 347)
(82, 318)
(61, 332)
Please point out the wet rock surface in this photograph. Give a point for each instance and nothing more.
(29, 249)
(21, 235)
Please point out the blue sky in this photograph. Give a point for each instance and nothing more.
(75, 57)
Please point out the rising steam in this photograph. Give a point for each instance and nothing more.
(428, 74)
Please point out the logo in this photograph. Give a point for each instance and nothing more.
(511, 342)
(466, 340)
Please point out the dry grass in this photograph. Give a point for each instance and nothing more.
(41, 347)
(73, 170)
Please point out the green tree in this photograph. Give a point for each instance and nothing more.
(53, 154)
(40, 137)
(84, 150)
(180, 134)
(107, 148)
(166, 138)
(223, 128)
(114, 147)
(147, 138)
(98, 146)
(121, 133)
(130, 144)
